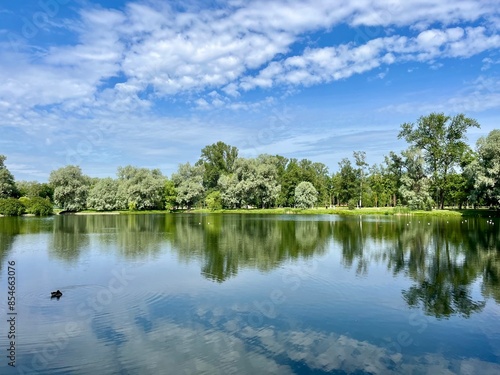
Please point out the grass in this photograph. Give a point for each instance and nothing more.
(336, 211)
(392, 211)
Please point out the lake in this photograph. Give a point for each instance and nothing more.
(250, 294)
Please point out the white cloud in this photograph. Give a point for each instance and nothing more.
(334, 63)
(151, 45)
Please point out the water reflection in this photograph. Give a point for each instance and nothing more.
(235, 294)
(442, 257)
(227, 243)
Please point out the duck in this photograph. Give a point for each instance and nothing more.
(57, 294)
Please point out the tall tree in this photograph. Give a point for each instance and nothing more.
(347, 182)
(414, 187)
(217, 159)
(306, 195)
(188, 182)
(7, 184)
(487, 168)
(442, 138)
(393, 173)
(360, 158)
(71, 188)
(103, 196)
(140, 188)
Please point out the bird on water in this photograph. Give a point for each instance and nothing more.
(57, 294)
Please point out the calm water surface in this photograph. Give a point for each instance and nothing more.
(249, 294)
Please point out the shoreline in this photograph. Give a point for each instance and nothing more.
(382, 211)
(385, 211)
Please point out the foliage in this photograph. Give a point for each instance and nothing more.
(103, 196)
(214, 201)
(254, 182)
(360, 158)
(38, 206)
(306, 195)
(487, 168)
(140, 188)
(352, 203)
(32, 189)
(11, 207)
(217, 159)
(7, 184)
(442, 138)
(188, 182)
(71, 188)
(414, 187)
(170, 195)
(345, 182)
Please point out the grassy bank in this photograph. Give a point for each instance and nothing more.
(398, 211)
(335, 211)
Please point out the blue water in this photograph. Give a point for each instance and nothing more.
(250, 294)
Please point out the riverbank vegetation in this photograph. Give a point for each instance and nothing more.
(437, 170)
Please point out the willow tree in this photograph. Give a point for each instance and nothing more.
(7, 184)
(487, 169)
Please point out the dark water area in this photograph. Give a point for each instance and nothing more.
(250, 294)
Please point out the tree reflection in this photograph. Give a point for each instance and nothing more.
(444, 258)
(9, 228)
(226, 243)
(69, 237)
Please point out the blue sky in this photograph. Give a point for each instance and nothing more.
(103, 84)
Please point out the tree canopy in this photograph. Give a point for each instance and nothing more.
(442, 138)
(7, 184)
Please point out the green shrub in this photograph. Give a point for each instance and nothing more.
(11, 207)
(38, 206)
(214, 201)
(352, 204)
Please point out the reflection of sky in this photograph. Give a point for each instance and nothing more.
(305, 316)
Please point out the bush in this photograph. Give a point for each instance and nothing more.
(11, 207)
(38, 206)
(214, 201)
(352, 204)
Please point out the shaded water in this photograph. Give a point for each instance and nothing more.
(249, 294)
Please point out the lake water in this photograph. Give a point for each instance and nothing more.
(251, 294)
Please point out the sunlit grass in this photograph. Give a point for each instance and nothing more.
(393, 211)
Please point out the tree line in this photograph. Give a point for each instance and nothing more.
(437, 169)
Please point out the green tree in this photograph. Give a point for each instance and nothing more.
(393, 173)
(103, 196)
(140, 188)
(71, 188)
(306, 195)
(414, 187)
(7, 184)
(11, 207)
(188, 182)
(170, 195)
(360, 158)
(487, 168)
(442, 138)
(32, 189)
(229, 190)
(291, 178)
(217, 159)
(380, 186)
(38, 206)
(347, 182)
(214, 201)
(254, 182)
